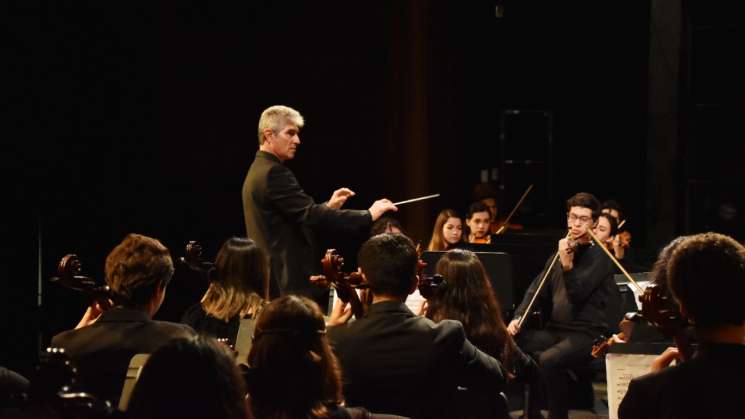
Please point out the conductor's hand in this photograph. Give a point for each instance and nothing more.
(339, 197)
(380, 207)
(513, 328)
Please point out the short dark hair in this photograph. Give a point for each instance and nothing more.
(612, 205)
(585, 200)
(389, 263)
(477, 207)
(612, 221)
(706, 275)
(381, 226)
(136, 267)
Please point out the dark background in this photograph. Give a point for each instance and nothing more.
(141, 117)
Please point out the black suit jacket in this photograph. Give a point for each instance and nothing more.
(102, 350)
(279, 216)
(583, 296)
(708, 386)
(396, 362)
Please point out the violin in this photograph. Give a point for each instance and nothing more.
(601, 347)
(624, 238)
(658, 308)
(345, 284)
(482, 240)
(662, 312)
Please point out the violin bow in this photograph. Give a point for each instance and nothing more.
(509, 217)
(618, 264)
(421, 198)
(540, 287)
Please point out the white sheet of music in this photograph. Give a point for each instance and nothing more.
(619, 370)
(413, 301)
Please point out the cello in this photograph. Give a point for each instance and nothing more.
(345, 284)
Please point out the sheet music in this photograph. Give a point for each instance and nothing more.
(413, 301)
(620, 369)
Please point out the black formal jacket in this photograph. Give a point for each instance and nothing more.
(102, 350)
(711, 385)
(578, 299)
(398, 363)
(279, 216)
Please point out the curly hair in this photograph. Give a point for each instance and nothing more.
(136, 267)
(706, 275)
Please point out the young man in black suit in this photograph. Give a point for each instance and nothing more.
(396, 362)
(281, 217)
(137, 271)
(706, 274)
(573, 301)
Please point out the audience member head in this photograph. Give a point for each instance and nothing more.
(606, 227)
(613, 208)
(386, 225)
(478, 220)
(448, 230)
(294, 372)
(190, 377)
(239, 282)
(138, 271)
(389, 263)
(469, 298)
(706, 275)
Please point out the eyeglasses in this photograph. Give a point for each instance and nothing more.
(572, 218)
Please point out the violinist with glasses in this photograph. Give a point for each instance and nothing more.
(572, 293)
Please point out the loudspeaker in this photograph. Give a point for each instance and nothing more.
(526, 157)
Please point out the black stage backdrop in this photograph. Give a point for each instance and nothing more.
(141, 117)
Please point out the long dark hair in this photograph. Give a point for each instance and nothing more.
(469, 298)
(190, 377)
(294, 371)
(240, 280)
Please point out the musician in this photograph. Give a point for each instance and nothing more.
(469, 298)
(238, 288)
(396, 362)
(573, 301)
(478, 220)
(706, 275)
(613, 208)
(281, 217)
(448, 231)
(137, 271)
(386, 224)
(294, 372)
(606, 229)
